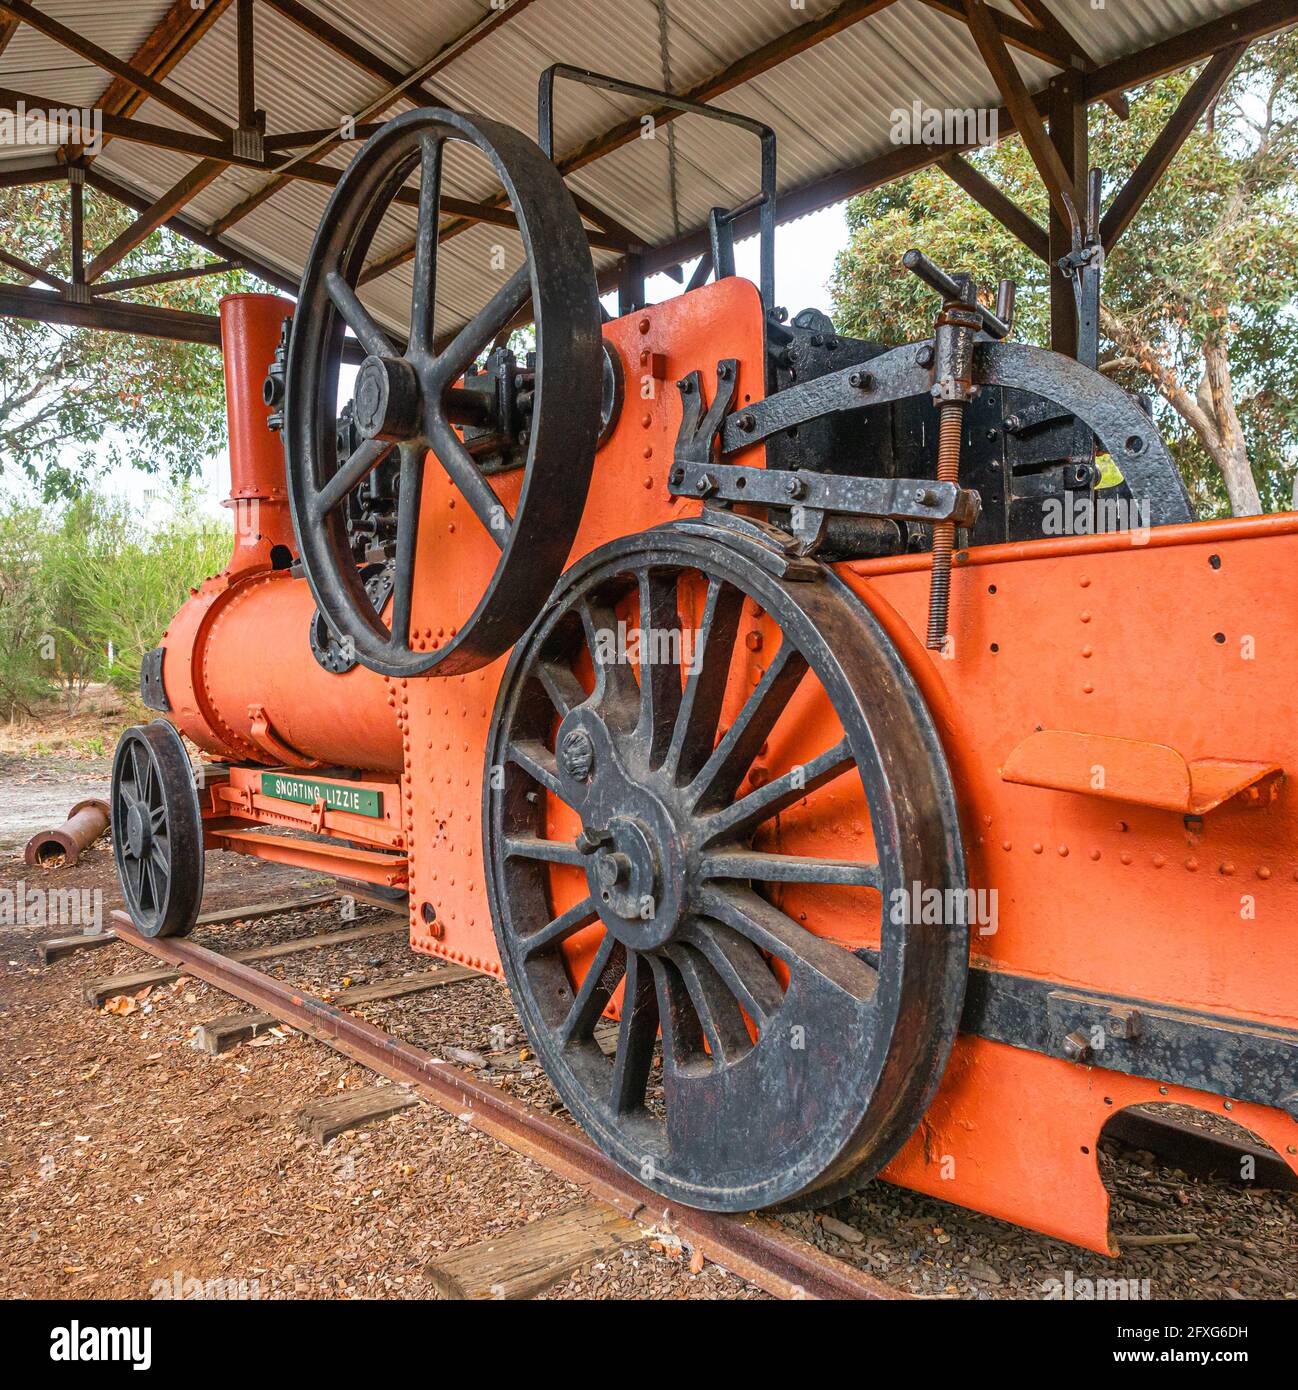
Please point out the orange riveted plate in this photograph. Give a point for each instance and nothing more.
(444, 721)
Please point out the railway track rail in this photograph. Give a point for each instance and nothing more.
(751, 1246)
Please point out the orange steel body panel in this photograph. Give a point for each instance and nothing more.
(238, 668)
(1184, 641)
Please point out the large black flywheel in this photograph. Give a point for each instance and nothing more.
(407, 393)
(157, 830)
(711, 794)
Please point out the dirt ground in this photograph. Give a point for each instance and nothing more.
(129, 1160)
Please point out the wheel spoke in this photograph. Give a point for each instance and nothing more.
(468, 343)
(561, 685)
(140, 767)
(146, 877)
(789, 868)
(636, 1034)
(538, 762)
(705, 687)
(403, 587)
(159, 858)
(714, 1006)
(741, 966)
(423, 304)
(469, 479)
(567, 924)
(682, 1034)
(134, 876)
(357, 317)
(352, 473)
(760, 804)
(733, 756)
(819, 962)
(660, 672)
(606, 969)
(551, 851)
(615, 687)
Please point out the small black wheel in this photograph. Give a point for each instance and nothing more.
(157, 830)
(716, 837)
(406, 393)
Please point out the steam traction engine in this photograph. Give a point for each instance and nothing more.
(709, 672)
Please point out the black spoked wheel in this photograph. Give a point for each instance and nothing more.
(406, 394)
(157, 830)
(709, 793)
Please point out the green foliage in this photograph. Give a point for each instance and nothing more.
(91, 578)
(1205, 274)
(138, 576)
(24, 673)
(74, 403)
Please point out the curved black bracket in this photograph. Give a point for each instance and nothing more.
(1112, 415)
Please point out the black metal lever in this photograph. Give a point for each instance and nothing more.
(937, 278)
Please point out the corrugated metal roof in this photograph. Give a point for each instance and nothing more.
(831, 105)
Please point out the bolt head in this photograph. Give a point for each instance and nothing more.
(577, 754)
(593, 838)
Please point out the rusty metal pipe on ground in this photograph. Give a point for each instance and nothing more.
(86, 822)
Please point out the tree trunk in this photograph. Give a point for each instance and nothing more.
(1210, 413)
(1241, 485)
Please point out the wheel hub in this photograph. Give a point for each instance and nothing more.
(387, 399)
(635, 849)
(137, 832)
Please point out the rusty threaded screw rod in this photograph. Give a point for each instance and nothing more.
(948, 471)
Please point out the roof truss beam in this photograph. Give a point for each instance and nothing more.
(109, 62)
(1040, 43)
(770, 55)
(222, 152)
(164, 277)
(1003, 208)
(1180, 51)
(1204, 91)
(1027, 120)
(153, 217)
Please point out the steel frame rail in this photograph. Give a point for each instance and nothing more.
(748, 1245)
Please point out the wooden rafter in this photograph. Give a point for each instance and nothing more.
(109, 62)
(33, 174)
(171, 39)
(164, 277)
(160, 211)
(33, 272)
(357, 54)
(1003, 208)
(1202, 93)
(1181, 50)
(45, 306)
(191, 231)
(1027, 120)
(174, 35)
(222, 152)
(1049, 46)
(1045, 18)
(77, 197)
(246, 47)
(770, 55)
